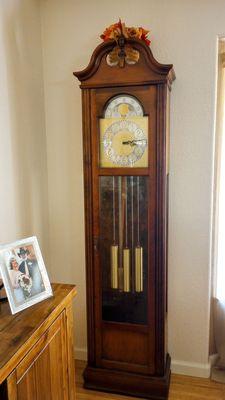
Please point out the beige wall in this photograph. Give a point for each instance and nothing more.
(64, 152)
(183, 33)
(23, 177)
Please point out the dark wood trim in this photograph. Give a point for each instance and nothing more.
(109, 380)
(121, 84)
(124, 171)
(161, 230)
(87, 161)
(105, 47)
(126, 326)
(95, 60)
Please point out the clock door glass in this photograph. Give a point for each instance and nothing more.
(123, 134)
(123, 248)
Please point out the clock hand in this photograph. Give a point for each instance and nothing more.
(133, 142)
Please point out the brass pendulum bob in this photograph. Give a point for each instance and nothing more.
(138, 269)
(126, 269)
(138, 250)
(114, 266)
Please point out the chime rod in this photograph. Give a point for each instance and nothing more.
(126, 233)
(121, 228)
(138, 212)
(114, 247)
(138, 248)
(114, 212)
(132, 232)
(126, 250)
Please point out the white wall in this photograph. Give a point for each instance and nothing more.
(64, 153)
(23, 175)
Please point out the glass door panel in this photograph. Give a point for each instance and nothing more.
(123, 248)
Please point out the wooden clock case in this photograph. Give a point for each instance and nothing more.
(123, 357)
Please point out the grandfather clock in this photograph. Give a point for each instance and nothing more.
(125, 98)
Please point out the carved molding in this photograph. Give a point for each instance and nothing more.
(106, 48)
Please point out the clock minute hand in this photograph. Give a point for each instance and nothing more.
(132, 142)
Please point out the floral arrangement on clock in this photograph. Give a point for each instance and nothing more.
(123, 53)
(114, 31)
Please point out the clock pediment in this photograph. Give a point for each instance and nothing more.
(100, 74)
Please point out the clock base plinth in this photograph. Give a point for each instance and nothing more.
(125, 383)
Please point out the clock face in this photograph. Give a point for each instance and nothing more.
(124, 134)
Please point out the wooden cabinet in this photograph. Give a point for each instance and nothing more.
(40, 365)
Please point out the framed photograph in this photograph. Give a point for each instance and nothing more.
(24, 274)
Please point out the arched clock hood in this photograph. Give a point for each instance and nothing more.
(99, 73)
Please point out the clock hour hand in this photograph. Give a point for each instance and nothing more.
(133, 142)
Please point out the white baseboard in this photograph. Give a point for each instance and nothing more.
(80, 354)
(191, 369)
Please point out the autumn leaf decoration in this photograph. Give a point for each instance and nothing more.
(123, 53)
(114, 31)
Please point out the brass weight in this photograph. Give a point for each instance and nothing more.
(138, 269)
(126, 270)
(114, 266)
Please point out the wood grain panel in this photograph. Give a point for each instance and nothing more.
(11, 387)
(19, 332)
(43, 376)
(127, 347)
(58, 365)
(70, 352)
(37, 349)
(26, 388)
(46, 372)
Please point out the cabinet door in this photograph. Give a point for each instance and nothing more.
(124, 172)
(42, 375)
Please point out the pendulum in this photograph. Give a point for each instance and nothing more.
(132, 234)
(126, 252)
(138, 269)
(114, 247)
(121, 195)
(138, 249)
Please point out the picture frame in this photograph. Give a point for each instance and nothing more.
(23, 273)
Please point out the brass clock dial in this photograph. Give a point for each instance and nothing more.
(124, 134)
